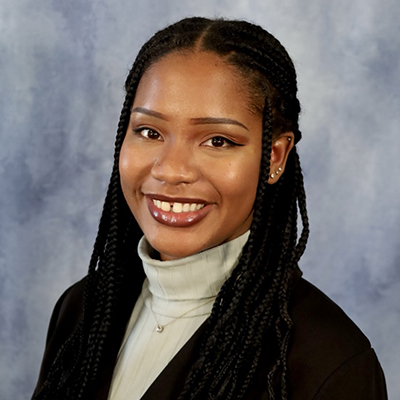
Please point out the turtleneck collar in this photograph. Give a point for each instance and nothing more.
(196, 277)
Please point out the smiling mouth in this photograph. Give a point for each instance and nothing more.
(178, 214)
(176, 207)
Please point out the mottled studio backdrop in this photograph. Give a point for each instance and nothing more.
(62, 66)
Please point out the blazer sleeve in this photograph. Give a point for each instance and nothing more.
(359, 378)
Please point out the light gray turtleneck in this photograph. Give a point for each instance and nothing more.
(177, 295)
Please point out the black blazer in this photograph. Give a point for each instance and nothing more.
(329, 357)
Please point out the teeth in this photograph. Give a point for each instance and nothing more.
(177, 207)
(165, 206)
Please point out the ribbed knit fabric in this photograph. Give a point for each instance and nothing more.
(178, 295)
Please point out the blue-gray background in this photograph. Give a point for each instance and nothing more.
(62, 66)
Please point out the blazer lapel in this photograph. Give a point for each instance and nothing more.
(169, 383)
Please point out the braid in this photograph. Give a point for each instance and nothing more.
(253, 303)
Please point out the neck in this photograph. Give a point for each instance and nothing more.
(193, 278)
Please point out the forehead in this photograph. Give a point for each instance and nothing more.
(184, 82)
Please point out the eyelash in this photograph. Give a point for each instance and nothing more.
(227, 142)
(139, 131)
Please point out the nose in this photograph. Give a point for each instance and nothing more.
(175, 164)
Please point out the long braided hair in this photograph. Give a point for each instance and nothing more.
(253, 302)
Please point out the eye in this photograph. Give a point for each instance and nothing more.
(220, 141)
(148, 133)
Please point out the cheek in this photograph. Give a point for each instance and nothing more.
(129, 169)
(124, 167)
(240, 183)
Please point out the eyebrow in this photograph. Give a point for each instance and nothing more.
(196, 121)
(146, 111)
(216, 120)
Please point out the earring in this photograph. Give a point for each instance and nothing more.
(276, 173)
(289, 139)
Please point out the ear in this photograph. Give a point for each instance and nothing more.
(279, 153)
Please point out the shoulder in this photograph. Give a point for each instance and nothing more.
(64, 320)
(328, 350)
(68, 309)
(320, 323)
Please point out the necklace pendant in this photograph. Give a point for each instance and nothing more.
(159, 328)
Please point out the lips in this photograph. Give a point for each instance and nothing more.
(177, 212)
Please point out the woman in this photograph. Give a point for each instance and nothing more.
(212, 304)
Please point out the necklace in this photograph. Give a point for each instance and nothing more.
(160, 328)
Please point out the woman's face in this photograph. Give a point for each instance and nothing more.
(190, 160)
